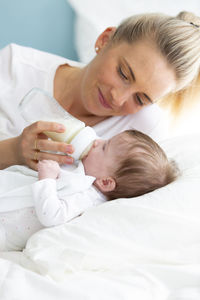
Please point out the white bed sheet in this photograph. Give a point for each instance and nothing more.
(19, 283)
(142, 248)
(152, 282)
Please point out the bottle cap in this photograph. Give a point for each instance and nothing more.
(82, 140)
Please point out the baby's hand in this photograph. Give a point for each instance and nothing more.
(48, 169)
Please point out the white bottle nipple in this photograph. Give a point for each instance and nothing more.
(82, 142)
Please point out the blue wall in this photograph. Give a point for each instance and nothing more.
(43, 24)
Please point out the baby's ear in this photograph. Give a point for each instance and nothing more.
(105, 184)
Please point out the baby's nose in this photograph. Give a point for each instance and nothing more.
(95, 143)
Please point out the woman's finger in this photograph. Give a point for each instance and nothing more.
(42, 136)
(61, 159)
(33, 140)
(49, 145)
(33, 165)
(40, 126)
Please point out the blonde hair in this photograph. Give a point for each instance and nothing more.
(178, 40)
(143, 167)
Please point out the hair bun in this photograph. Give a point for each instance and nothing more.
(189, 17)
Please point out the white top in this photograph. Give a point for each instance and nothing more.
(27, 205)
(23, 68)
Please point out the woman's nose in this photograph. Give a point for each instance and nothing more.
(120, 96)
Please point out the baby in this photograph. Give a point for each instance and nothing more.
(127, 165)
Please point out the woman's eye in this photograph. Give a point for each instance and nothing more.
(139, 101)
(121, 73)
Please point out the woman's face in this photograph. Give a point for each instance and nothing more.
(124, 78)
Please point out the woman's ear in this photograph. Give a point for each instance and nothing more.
(105, 184)
(104, 38)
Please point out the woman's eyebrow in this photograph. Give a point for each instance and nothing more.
(133, 77)
(130, 70)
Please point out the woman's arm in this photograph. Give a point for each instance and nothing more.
(8, 152)
(33, 144)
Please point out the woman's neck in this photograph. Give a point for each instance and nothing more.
(67, 83)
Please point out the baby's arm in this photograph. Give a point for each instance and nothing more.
(50, 209)
(48, 169)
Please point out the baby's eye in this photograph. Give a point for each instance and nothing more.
(104, 146)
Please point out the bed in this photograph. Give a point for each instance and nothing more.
(145, 248)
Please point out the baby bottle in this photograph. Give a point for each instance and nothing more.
(38, 105)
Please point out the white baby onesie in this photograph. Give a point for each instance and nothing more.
(38, 204)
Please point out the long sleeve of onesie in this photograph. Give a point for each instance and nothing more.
(52, 210)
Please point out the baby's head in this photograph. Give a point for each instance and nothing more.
(129, 164)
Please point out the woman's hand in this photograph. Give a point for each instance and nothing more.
(33, 143)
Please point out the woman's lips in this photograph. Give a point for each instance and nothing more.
(103, 101)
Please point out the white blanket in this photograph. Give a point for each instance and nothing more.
(142, 248)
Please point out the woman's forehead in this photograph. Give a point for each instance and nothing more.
(152, 73)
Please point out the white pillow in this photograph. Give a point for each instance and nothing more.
(162, 227)
(92, 17)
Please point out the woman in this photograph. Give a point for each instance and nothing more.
(144, 59)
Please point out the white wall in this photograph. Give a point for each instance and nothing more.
(93, 16)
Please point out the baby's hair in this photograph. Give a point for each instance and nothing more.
(143, 167)
(178, 40)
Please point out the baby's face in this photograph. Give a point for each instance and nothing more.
(102, 157)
